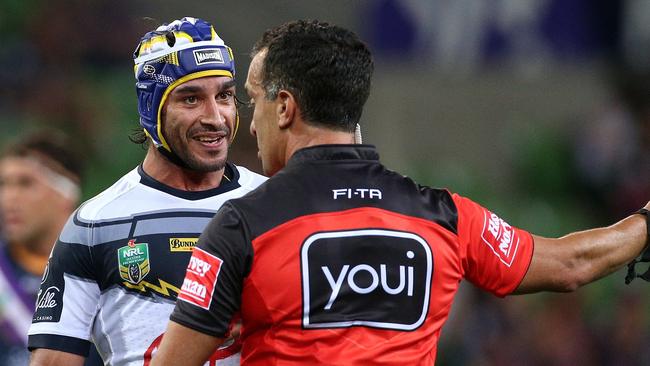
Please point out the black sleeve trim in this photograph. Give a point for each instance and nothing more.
(67, 344)
(196, 327)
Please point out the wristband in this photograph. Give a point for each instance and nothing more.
(645, 212)
(645, 255)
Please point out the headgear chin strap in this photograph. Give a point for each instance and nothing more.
(173, 54)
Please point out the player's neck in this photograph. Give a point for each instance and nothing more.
(32, 261)
(161, 169)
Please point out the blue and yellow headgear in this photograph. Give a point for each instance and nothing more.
(173, 54)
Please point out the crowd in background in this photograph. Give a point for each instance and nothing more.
(68, 66)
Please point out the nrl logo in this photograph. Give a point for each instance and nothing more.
(134, 261)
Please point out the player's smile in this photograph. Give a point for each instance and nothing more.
(211, 140)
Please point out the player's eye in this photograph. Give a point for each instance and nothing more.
(225, 96)
(25, 182)
(191, 99)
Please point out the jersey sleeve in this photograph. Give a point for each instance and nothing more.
(68, 295)
(495, 256)
(211, 291)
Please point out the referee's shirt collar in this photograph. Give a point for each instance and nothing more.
(334, 152)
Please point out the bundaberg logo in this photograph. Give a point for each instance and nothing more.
(133, 260)
(182, 244)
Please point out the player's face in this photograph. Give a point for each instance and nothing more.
(198, 117)
(264, 125)
(28, 203)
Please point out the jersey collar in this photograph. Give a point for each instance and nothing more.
(335, 152)
(229, 182)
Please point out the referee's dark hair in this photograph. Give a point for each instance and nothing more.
(326, 68)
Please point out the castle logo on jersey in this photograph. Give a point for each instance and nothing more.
(133, 261)
(371, 277)
(501, 237)
(182, 244)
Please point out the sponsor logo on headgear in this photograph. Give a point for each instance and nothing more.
(500, 237)
(149, 69)
(182, 244)
(377, 278)
(133, 260)
(200, 278)
(208, 56)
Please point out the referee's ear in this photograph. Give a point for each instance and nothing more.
(286, 109)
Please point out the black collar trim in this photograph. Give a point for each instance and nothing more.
(335, 152)
(229, 182)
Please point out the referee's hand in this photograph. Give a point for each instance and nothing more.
(645, 255)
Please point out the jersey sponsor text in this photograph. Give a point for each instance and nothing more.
(182, 244)
(376, 277)
(198, 266)
(200, 278)
(349, 193)
(194, 289)
(46, 300)
(500, 236)
(371, 277)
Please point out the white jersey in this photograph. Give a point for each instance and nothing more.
(119, 263)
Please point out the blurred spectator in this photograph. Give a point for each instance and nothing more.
(39, 189)
(56, 61)
(612, 151)
(488, 333)
(627, 334)
(561, 336)
(466, 36)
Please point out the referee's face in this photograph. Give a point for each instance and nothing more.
(264, 125)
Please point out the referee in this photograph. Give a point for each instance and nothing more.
(336, 260)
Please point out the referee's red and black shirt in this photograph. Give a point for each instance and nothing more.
(338, 260)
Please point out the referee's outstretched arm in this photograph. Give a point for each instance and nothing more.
(566, 263)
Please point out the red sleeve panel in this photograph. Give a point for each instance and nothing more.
(495, 256)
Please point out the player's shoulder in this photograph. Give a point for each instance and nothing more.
(259, 186)
(254, 195)
(249, 179)
(117, 195)
(101, 210)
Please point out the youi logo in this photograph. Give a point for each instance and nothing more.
(371, 277)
